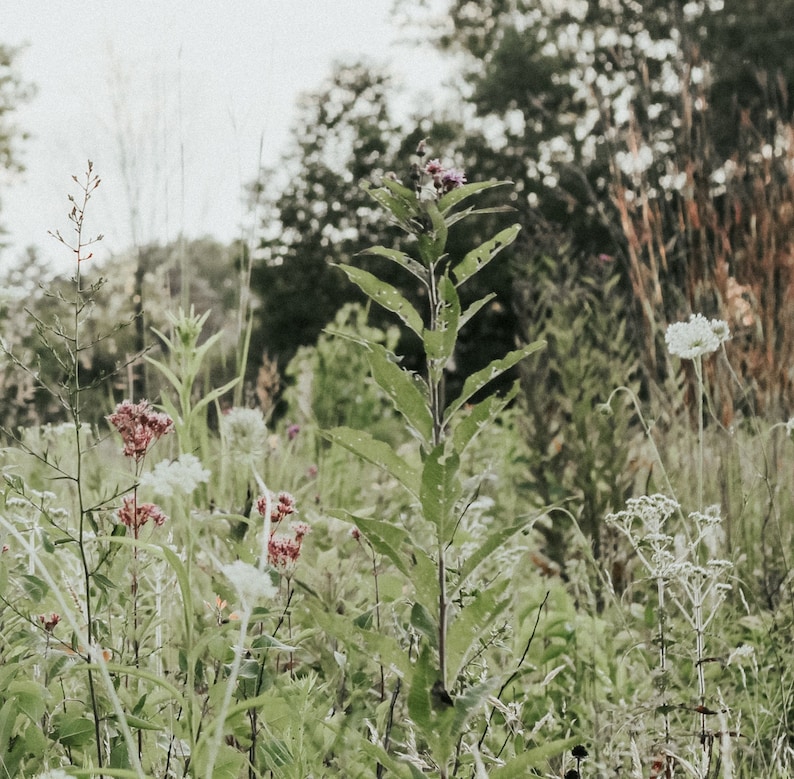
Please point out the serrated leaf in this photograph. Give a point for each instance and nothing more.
(403, 260)
(440, 490)
(478, 258)
(402, 389)
(385, 295)
(481, 378)
(379, 453)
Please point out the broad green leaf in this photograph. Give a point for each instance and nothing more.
(403, 391)
(440, 490)
(36, 589)
(424, 577)
(215, 394)
(419, 708)
(488, 545)
(480, 416)
(379, 453)
(386, 538)
(478, 380)
(73, 730)
(385, 295)
(403, 260)
(382, 648)
(457, 195)
(458, 215)
(30, 697)
(533, 759)
(424, 622)
(469, 626)
(478, 258)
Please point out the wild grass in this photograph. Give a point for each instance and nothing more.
(500, 590)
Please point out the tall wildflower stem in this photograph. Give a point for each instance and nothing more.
(435, 376)
(698, 364)
(74, 391)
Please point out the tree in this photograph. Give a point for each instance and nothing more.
(13, 92)
(655, 132)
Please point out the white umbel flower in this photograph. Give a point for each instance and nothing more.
(245, 432)
(697, 337)
(180, 476)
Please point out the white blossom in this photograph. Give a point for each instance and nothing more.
(696, 337)
(245, 432)
(182, 476)
(251, 584)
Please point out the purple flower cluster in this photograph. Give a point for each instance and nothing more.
(444, 179)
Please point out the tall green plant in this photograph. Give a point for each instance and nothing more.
(450, 618)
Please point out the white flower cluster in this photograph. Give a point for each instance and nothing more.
(696, 337)
(245, 432)
(251, 584)
(182, 476)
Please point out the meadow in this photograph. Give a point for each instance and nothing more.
(391, 577)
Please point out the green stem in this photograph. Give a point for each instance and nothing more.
(698, 361)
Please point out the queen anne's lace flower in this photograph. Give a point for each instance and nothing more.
(181, 476)
(245, 432)
(697, 337)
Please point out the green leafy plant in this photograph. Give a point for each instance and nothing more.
(451, 610)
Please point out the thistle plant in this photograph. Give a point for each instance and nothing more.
(449, 618)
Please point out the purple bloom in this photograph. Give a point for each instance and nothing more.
(452, 179)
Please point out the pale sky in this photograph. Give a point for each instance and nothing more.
(192, 88)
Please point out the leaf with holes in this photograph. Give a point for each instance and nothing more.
(478, 258)
(385, 295)
(379, 453)
(404, 390)
(478, 380)
(440, 490)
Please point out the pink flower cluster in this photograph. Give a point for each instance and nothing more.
(281, 506)
(444, 179)
(139, 426)
(49, 622)
(283, 549)
(135, 515)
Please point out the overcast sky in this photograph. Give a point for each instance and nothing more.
(188, 91)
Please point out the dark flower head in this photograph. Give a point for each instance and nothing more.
(452, 179)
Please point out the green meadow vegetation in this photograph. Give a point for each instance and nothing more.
(477, 465)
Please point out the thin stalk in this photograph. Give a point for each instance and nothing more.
(698, 362)
(436, 392)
